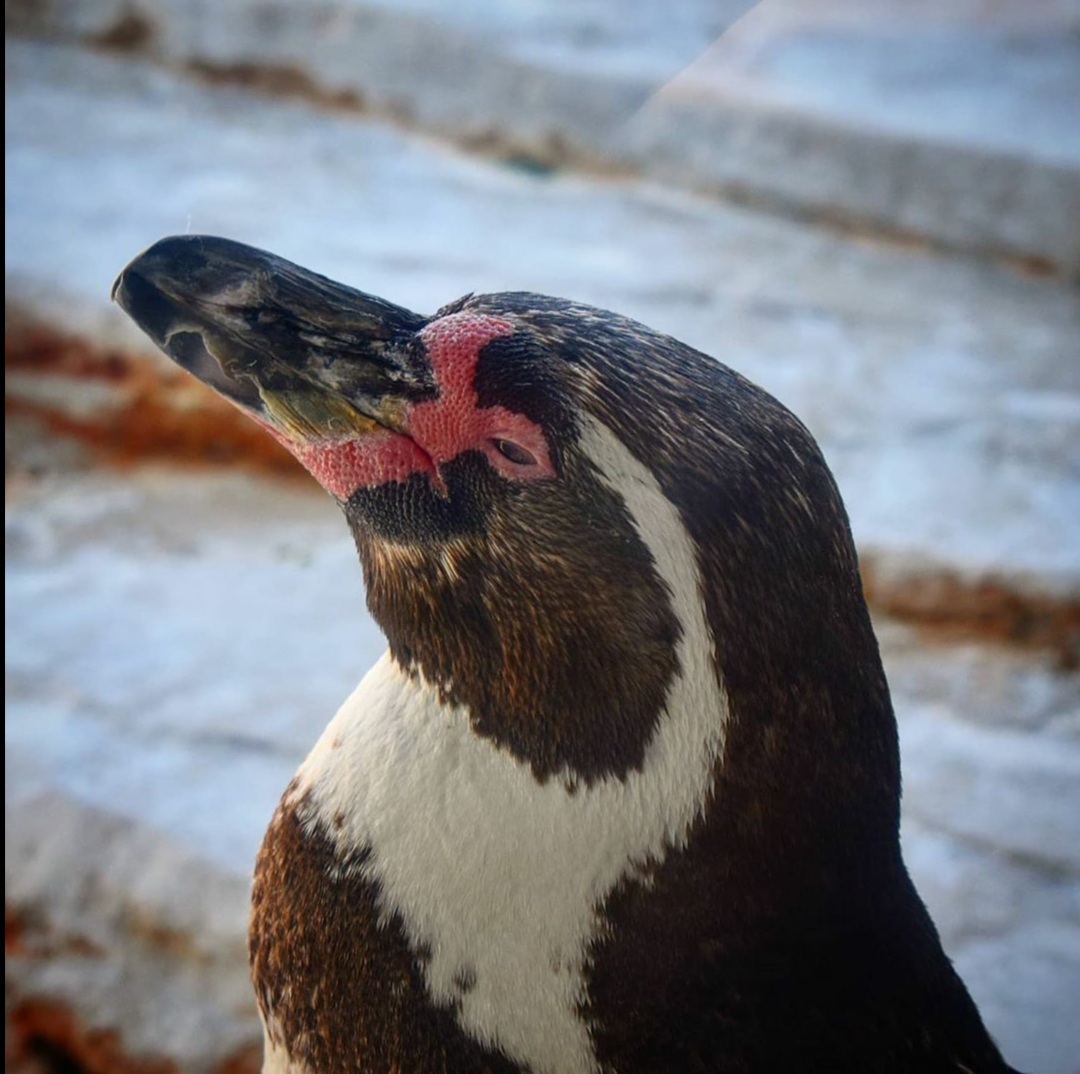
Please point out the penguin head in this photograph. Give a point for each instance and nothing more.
(546, 497)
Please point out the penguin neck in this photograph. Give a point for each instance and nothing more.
(564, 659)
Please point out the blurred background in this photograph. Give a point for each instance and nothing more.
(870, 208)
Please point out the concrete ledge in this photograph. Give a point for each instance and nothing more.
(763, 116)
(124, 950)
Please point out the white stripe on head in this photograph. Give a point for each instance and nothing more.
(498, 876)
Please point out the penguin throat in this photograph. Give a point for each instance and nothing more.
(343, 466)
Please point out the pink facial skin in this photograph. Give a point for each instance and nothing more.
(437, 430)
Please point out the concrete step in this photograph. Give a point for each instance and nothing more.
(953, 122)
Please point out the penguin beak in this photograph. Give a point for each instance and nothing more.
(308, 356)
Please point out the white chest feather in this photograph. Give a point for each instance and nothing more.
(495, 874)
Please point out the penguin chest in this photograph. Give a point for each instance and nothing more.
(339, 984)
(423, 900)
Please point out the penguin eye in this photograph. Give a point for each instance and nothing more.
(515, 453)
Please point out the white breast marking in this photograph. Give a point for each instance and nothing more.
(497, 875)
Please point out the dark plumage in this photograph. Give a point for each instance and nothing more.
(624, 795)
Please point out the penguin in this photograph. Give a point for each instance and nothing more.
(623, 794)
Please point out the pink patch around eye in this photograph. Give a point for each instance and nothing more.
(453, 423)
(439, 429)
